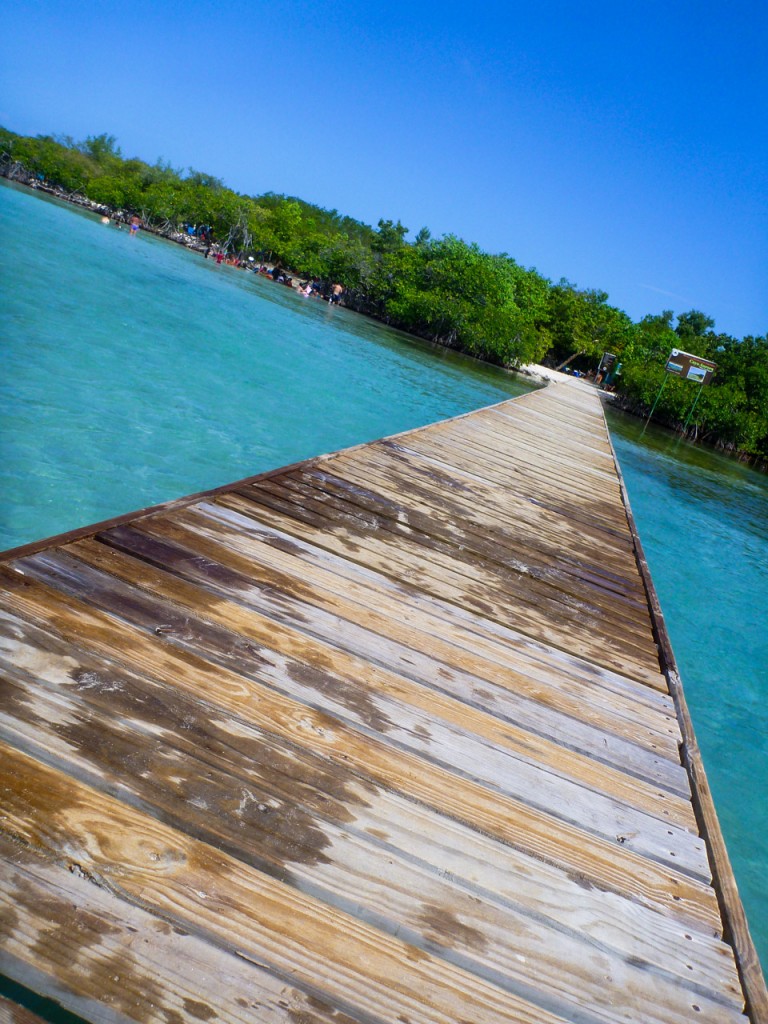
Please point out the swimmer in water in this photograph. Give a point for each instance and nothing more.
(134, 225)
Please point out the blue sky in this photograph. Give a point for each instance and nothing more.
(623, 146)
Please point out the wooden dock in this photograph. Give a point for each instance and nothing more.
(393, 735)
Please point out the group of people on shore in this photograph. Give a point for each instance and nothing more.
(219, 257)
(316, 289)
(311, 288)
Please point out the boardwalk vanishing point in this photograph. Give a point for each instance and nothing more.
(392, 736)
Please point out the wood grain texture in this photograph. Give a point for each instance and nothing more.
(380, 737)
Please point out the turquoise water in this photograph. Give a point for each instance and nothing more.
(703, 522)
(134, 372)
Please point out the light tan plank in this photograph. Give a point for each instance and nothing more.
(107, 959)
(406, 673)
(325, 680)
(163, 771)
(612, 866)
(233, 524)
(191, 882)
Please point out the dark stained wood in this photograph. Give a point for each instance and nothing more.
(380, 737)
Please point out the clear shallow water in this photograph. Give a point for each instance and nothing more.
(703, 521)
(134, 372)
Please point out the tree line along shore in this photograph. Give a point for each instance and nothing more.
(444, 290)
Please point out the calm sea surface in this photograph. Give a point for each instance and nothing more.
(134, 372)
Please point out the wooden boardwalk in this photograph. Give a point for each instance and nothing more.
(381, 737)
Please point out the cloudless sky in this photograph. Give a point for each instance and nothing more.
(623, 146)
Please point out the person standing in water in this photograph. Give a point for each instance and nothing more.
(135, 223)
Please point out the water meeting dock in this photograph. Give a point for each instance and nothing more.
(391, 736)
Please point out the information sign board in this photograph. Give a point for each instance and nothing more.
(606, 362)
(690, 367)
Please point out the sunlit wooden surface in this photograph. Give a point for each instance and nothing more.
(382, 737)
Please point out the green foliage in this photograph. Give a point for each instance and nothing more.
(653, 339)
(442, 289)
(204, 180)
(460, 296)
(731, 412)
(693, 325)
(582, 322)
(50, 160)
(102, 149)
(390, 237)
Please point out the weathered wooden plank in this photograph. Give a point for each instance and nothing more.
(497, 462)
(587, 445)
(479, 598)
(412, 478)
(353, 871)
(553, 512)
(482, 446)
(509, 580)
(188, 881)
(499, 509)
(604, 865)
(522, 574)
(107, 959)
(391, 723)
(581, 430)
(533, 663)
(206, 789)
(320, 679)
(14, 1013)
(289, 590)
(551, 516)
(200, 889)
(457, 749)
(242, 516)
(192, 580)
(526, 467)
(260, 770)
(444, 467)
(491, 527)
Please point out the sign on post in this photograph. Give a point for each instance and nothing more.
(690, 367)
(606, 362)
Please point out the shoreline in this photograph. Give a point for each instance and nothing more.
(536, 373)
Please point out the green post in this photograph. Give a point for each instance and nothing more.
(653, 407)
(698, 396)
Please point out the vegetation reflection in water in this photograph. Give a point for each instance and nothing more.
(136, 372)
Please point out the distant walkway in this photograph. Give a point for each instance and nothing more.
(380, 737)
(544, 373)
